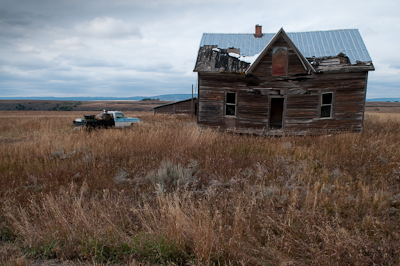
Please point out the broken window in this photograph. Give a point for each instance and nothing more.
(230, 103)
(326, 104)
(279, 61)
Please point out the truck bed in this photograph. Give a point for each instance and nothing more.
(90, 122)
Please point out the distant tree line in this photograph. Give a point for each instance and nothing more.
(150, 99)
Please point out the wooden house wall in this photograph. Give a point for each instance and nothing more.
(302, 101)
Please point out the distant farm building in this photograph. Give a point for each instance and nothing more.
(283, 83)
(180, 107)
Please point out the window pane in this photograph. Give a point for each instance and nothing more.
(231, 97)
(326, 111)
(230, 110)
(327, 98)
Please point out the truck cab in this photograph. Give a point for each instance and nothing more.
(121, 120)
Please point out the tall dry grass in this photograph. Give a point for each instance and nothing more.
(169, 192)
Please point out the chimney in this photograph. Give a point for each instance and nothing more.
(258, 33)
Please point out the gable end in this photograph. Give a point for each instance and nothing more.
(281, 34)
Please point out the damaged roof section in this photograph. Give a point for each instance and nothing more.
(339, 62)
(212, 59)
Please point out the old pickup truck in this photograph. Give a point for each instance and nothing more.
(115, 119)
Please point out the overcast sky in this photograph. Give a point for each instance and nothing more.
(149, 47)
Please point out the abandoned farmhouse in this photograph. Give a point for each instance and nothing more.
(284, 83)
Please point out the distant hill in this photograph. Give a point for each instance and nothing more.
(384, 100)
(166, 97)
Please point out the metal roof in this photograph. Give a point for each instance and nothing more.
(311, 43)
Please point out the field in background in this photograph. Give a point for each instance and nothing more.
(382, 107)
(169, 192)
(41, 105)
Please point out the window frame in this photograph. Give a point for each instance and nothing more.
(321, 104)
(230, 104)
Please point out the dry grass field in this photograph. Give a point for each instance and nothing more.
(169, 193)
(383, 107)
(42, 105)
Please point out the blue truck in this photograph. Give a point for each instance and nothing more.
(106, 119)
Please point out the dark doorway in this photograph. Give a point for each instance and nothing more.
(276, 113)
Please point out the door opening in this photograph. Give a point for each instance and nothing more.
(276, 113)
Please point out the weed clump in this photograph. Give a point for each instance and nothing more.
(170, 176)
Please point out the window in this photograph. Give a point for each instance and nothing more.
(279, 61)
(230, 103)
(326, 104)
(119, 115)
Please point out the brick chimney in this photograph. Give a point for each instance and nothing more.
(258, 33)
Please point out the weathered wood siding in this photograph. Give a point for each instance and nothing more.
(168, 109)
(252, 109)
(264, 67)
(302, 109)
(183, 107)
(211, 104)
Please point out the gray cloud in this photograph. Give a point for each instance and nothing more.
(108, 28)
(86, 61)
(395, 65)
(30, 64)
(76, 47)
(15, 19)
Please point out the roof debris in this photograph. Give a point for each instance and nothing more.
(212, 59)
(247, 59)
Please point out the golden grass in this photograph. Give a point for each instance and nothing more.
(169, 192)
